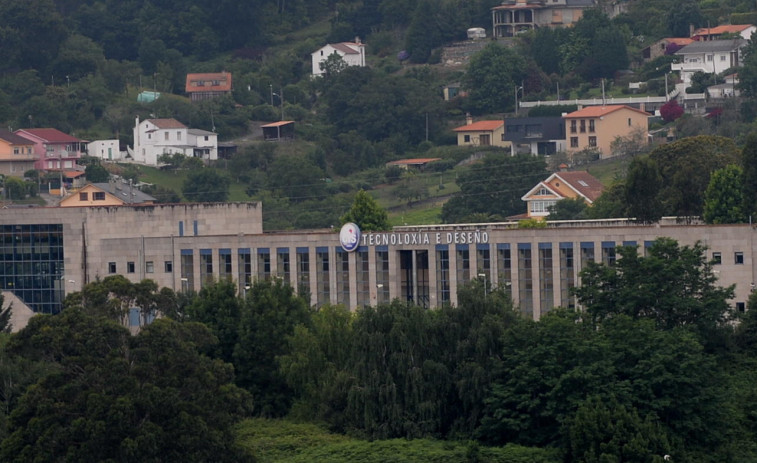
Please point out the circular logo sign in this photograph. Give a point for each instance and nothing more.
(349, 236)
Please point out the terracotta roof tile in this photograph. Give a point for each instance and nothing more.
(726, 28)
(167, 123)
(223, 78)
(51, 135)
(599, 111)
(480, 126)
(583, 182)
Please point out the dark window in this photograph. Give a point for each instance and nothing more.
(591, 125)
(466, 138)
(168, 266)
(84, 196)
(573, 126)
(98, 196)
(111, 267)
(741, 307)
(583, 126)
(130, 267)
(574, 142)
(592, 141)
(738, 257)
(717, 258)
(149, 267)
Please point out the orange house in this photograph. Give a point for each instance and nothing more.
(561, 185)
(482, 133)
(104, 194)
(597, 127)
(16, 154)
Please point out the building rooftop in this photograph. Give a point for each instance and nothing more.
(599, 111)
(480, 126)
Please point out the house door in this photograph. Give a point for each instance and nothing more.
(110, 153)
(485, 140)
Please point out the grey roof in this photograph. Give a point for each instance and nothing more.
(122, 191)
(552, 128)
(200, 132)
(711, 46)
(14, 139)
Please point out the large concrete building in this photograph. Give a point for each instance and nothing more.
(48, 252)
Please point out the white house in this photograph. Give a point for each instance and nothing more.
(104, 149)
(353, 53)
(712, 56)
(153, 137)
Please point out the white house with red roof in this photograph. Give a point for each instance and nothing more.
(716, 33)
(154, 137)
(54, 149)
(482, 133)
(559, 186)
(353, 53)
(598, 126)
(208, 85)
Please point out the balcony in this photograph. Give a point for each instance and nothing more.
(691, 67)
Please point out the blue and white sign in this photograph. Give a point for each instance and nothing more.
(349, 236)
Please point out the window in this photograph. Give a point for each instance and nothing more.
(583, 126)
(15, 150)
(178, 135)
(592, 141)
(629, 122)
(149, 267)
(466, 138)
(717, 258)
(111, 267)
(738, 258)
(709, 57)
(591, 125)
(741, 307)
(573, 126)
(130, 267)
(165, 135)
(574, 142)
(83, 196)
(168, 266)
(98, 196)
(722, 57)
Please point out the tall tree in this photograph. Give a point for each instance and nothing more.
(672, 285)
(367, 214)
(206, 185)
(495, 186)
(685, 167)
(749, 169)
(643, 187)
(492, 78)
(724, 198)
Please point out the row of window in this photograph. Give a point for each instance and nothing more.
(738, 258)
(96, 196)
(574, 141)
(580, 125)
(132, 268)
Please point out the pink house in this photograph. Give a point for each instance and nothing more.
(55, 150)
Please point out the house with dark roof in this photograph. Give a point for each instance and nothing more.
(353, 54)
(535, 135)
(154, 137)
(16, 154)
(55, 150)
(559, 186)
(481, 133)
(114, 193)
(209, 85)
(710, 57)
(515, 17)
(598, 126)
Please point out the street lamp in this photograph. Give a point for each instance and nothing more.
(281, 99)
(517, 88)
(483, 275)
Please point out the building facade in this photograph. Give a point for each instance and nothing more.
(54, 149)
(515, 17)
(46, 253)
(207, 86)
(481, 133)
(154, 137)
(16, 154)
(353, 54)
(710, 57)
(596, 127)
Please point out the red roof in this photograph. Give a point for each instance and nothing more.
(50, 135)
(682, 41)
(167, 123)
(347, 47)
(717, 30)
(583, 182)
(277, 124)
(480, 126)
(414, 161)
(207, 79)
(599, 111)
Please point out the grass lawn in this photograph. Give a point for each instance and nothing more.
(609, 171)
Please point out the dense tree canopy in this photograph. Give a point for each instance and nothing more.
(366, 213)
(492, 78)
(495, 187)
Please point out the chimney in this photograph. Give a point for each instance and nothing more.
(468, 119)
(563, 167)
(357, 40)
